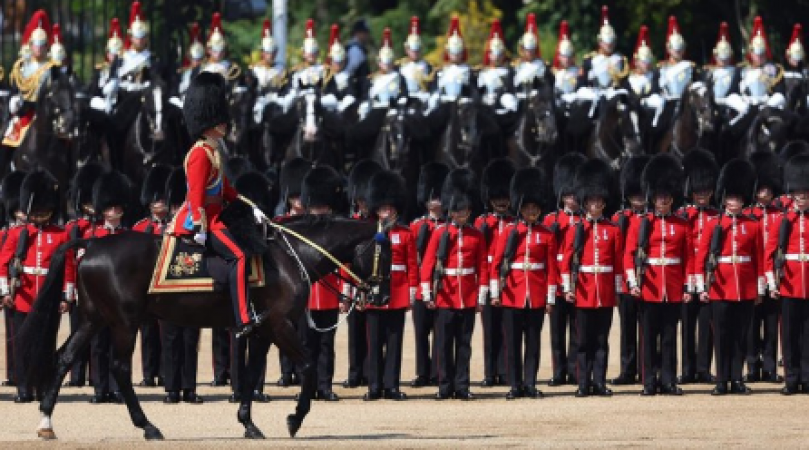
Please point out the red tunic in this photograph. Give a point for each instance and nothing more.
(533, 265)
(426, 225)
(670, 260)
(143, 225)
(601, 265)
(208, 191)
(696, 217)
(42, 243)
(560, 221)
(492, 226)
(324, 293)
(465, 283)
(80, 225)
(404, 272)
(740, 270)
(795, 280)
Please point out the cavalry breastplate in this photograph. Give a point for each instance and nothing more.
(29, 77)
(566, 79)
(265, 76)
(185, 81)
(452, 79)
(756, 80)
(641, 84)
(309, 77)
(603, 68)
(675, 78)
(385, 87)
(722, 80)
(414, 74)
(133, 63)
(527, 72)
(491, 80)
(341, 81)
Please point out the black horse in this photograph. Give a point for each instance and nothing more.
(459, 142)
(615, 136)
(310, 140)
(240, 103)
(536, 136)
(113, 280)
(770, 130)
(694, 122)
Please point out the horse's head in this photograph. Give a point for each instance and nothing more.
(372, 263)
(57, 105)
(631, 144)
(394, 138)
(153, 101)
(542, 104)
(240, 104)
(699, 97)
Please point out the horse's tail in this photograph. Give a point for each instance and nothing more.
(36, 340)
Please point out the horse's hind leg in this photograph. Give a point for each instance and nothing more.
(123, 347)
(75, 344)
(248, 378)
(289, 343)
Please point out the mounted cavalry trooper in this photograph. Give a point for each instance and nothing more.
(101, 96)
(216, 47)
(206, 116)
(29, 74)
(603, 69)
(454, 80)
(795, 71)
(416, 71)
(191, 67)
(565, 71)
(137, 69)
(675, 74)
(58, 53)
(270, 78)
(642, 83)
(761, 81)
(530, 71)
(494, 83)
(722, 76)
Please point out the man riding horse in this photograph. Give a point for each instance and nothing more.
(206, 116)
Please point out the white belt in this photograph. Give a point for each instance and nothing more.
(801, 257)
(463, 271)
(527, 266)
(398, 268)
(663, 261)
(595, 269)
(35, 270)
(733, 259)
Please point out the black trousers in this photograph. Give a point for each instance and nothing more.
(238, 359)
(593, 330)
(493, 362)
(10, 362)
(220, 347)
(150, 348)
(697, 338)
(628, 317)
(564, 341)
(795, 339)
(238, 262)
(180, 356)
(423, 325)
(659, 342)
(357, 347)
(731, 321)
(101, 354)
(78, 371)
(522, 329)
(762, 337)
(23, 389)
(320, 346)
(385, 337)
(454, 328)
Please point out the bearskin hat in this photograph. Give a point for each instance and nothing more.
(701, 171)
(111, 189)
(768, 171)
(564, 174)
(359, 177)
(663, 175)
(39, 192)
(595, 178)
(792, 149)
(460, 191)
(529, 185)
(496, 180)
(737, 178)
(81, 186)
(205, 105)
(176, 187)
(237, 166)
(10, 191)
(631, 176)
(431, 179)
(256, 187)
(154, 186)
(387, 188)
(796, 174)
(292, 173)
(323, 186)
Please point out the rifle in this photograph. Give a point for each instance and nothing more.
(441, 259)
(15, 270)
(780, 252)
(713, 255)
(421, 240)
(575, 261)
(508, 255)
(641, 255)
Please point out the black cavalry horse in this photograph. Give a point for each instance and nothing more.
(615, 136)
(535, 139)
(113, 280)
(694, 122)
(310, 140)
(459, 143)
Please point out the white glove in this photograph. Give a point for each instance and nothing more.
(99, 104)
(569, 97)
(402, 101)
(109, 88)
(258, 109)
(14, 104)
(363, 110)
(509, 102)
(176, 101)
(259, 215)
(412, 295)
(200, 238)
(328, 101)
(347, 101)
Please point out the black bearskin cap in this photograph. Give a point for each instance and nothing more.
(10, 190)
(431, 179)
(39, 192)
(291, 179)
(111, 189)
(663, 175)
(595, 178)
(564, 174)
(529, 185)
(496, 180)
(323, 186)
(460, 191)
(360, 177)
(154, 186)
(796, 174)
(631, 176)
(205, 105)
(256, 187)
(81, 186)
(768, 171)
(701, 171)
(737, 178)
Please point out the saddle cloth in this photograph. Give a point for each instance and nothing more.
(18, 129)
(185, 267)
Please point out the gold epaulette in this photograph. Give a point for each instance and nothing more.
(591, 54)
(233, 72)
(401, 61)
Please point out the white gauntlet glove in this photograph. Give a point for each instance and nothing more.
(200, 238)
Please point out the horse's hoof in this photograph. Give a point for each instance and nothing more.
(151, 433)
(252, 432)
(293, 424)
(46, 434)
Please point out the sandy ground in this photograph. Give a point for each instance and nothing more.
(765, 419)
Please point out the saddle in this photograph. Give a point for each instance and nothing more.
(184, 266)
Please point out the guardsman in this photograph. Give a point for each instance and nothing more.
(787, 275)
(192, 65)
(428, 195)
(701, 171)
(110, 201)
(762, 340)
(522, 280)
(25, 257)
(565, 71)
(455, 281)
(796, 74)
(387, 196)
(603, 69)
(592, 276)
(270, 77)
(81, 199)
(730, 273)
(675, 74)
(216, 47)
(416, 71)
(454, 81)
(629, 306)
(722, 75)
(563, 315)
(153, 198)
(494, 185)
(14, 217)
(658, 262)
(29, 74)
(322, 194)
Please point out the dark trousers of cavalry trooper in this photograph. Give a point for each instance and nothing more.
(762, 339)
(180, 356)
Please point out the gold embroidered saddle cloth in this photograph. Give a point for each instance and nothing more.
(186, 267)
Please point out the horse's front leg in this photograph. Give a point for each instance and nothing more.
(289, 343)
